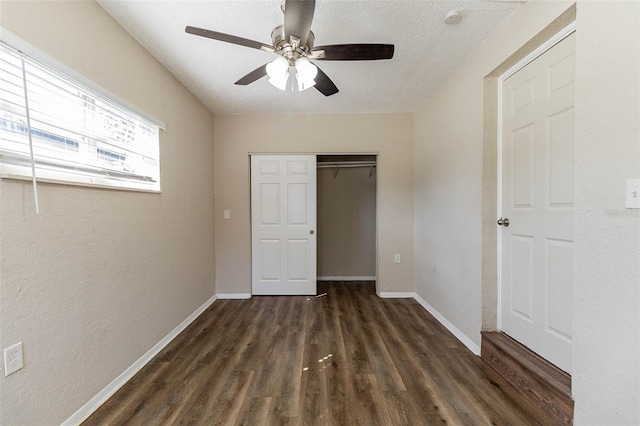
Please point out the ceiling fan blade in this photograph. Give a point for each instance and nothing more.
(228, 38)
(298, 15)
(353, 52)
(324, 84)
(254, 75)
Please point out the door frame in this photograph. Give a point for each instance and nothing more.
(551, 42)
(377, 155)
(490, 163)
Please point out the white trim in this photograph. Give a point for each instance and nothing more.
(226, 296)
(346, 278)
(65, 177)
(396, 295)
(463, 338)
(94, 403)
(557, 38)
(499, 207)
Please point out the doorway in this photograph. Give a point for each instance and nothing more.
(535, 237)
(347, 217)
(312, 223)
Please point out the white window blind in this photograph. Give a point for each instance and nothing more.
(78, 135)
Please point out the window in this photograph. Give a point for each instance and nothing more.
(78, 136)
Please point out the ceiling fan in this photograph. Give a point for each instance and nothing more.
(293, 43)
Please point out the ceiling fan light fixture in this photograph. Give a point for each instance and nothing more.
(280, 82)
(278, 72)
(306, 73)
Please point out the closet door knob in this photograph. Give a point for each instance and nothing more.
(311, 232)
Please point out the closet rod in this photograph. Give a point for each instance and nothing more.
(347, 164)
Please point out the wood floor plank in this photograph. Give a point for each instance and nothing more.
(438, 377)
(288, 375)
(134, 391)
(254, 412)
(314, 406)
(343, 357)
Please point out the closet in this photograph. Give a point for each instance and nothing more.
(346, 217)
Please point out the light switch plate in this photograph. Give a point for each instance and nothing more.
(227, 214)
(633, 194)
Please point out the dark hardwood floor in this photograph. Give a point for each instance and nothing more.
(344, 357)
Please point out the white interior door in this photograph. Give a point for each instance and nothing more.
(537, 198)
(283, 224)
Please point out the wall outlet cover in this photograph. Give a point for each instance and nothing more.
(13, 359)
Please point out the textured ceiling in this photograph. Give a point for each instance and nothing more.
(426, 49)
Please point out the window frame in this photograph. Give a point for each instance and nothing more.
(86, 175)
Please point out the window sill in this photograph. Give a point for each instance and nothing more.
(8, 171)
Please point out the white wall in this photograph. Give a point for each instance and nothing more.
(100, 276)
(389, 135)
(448, 177)
(448, 161)
(606, 317)
(346, 223)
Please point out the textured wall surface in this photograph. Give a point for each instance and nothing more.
(606, 308)
(448, 161)
(448, 189)
(100, 276)
(346, 223)
(389, 135)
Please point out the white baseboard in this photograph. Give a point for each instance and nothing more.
(396, 295)
(94, 403)
(470, 344)
(346, 278)
(222, 296)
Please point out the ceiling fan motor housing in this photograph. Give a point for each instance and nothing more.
(291, 49)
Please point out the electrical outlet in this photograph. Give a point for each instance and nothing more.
(13, 359)
(398, 258)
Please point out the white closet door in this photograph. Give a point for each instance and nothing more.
(537, 198)
(283, 224)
